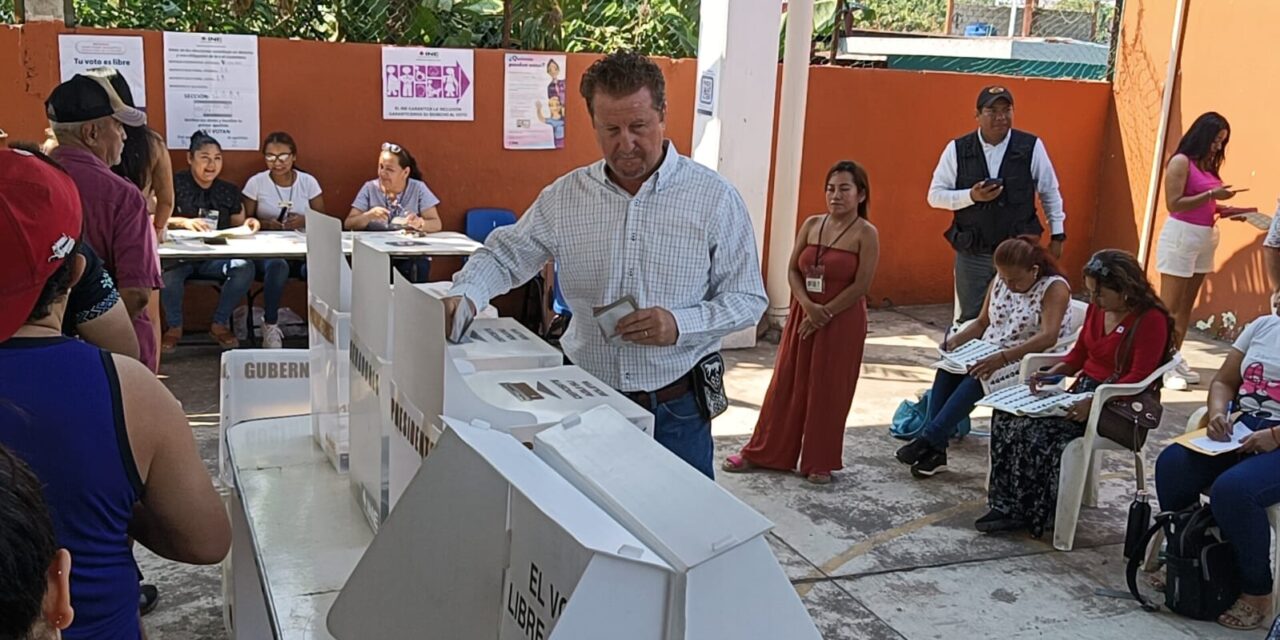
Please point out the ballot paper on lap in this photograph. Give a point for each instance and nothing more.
(961, 359)
(1019, 400)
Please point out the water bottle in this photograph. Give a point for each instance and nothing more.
(210, 216)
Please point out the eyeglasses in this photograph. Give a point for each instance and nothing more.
(392, 147)
(279, 157)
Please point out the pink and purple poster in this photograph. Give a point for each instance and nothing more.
(420, 83)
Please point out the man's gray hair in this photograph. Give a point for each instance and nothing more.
(64, 131)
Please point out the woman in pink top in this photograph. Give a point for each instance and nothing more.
(1184, 252)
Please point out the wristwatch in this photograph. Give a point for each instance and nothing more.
(1058, 237)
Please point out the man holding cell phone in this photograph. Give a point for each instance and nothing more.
(989, 179)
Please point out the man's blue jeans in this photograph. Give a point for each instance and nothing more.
(680, 427)
(1240, 488)
(950, 400)
(236, 277)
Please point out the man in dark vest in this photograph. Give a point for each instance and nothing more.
(989, 179)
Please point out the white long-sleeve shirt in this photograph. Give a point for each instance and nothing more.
(943, 193)
(683, 242)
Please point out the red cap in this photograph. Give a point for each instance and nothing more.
(40, 218)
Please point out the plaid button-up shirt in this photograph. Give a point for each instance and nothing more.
(684, 242)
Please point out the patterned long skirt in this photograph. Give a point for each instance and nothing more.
(1026, 454)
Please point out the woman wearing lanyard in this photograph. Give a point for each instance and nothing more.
(802, 419)
(1184, 252)
(280, 198)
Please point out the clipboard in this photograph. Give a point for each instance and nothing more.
(1189, 440)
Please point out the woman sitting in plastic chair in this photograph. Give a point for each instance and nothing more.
(1027, 311)
(1026, 452)
(1243, 483)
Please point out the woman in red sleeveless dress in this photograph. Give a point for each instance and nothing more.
(802, 421)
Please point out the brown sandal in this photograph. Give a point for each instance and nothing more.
(223, 336)
(819, 478)
(1242, 617)
(169, 341)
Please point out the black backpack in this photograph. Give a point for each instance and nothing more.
(1201, 577)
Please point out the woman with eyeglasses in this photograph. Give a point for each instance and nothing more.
(280, 199)
(397, 199)
(1026, 452)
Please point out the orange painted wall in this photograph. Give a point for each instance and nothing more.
(896, 124)
(1226, 66)
(327, 95)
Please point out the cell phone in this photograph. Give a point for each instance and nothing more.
(993, 182)
(1051, 380)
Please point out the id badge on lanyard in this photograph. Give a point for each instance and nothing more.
(815, 279)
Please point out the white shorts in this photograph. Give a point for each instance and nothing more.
(1185, 249)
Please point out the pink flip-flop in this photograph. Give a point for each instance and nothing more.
(737, 464)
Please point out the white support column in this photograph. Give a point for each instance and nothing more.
(786, 177)
(733, 112)
(43, 11)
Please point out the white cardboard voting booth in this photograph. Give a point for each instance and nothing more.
(370, 380)
(256, 384)
(726, 582)
(598, 532)
(489, 543)
(518, 401)
(329, 333)
(420, 392)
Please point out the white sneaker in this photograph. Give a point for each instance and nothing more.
(1175, 382)
(272, 337)
(1181, 377)
(1185, 372)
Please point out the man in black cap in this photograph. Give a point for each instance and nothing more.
(990, 179)
(87, 115)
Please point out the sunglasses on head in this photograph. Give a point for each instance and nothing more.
(1096, 268)
(392, 147)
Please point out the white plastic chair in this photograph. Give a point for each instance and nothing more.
(1199, 420)
(1079, 470)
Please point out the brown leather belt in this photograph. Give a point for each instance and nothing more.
(651, 399)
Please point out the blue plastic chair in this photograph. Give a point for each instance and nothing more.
(979, 29)
(558, 303)
(482, 222)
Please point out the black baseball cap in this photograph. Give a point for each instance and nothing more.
(991, 94)
(84, 98)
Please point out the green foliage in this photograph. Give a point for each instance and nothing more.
(914, 16)
(655, 27)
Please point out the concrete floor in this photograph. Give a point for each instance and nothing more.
(874, 555)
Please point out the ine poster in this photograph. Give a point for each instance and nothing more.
(428, 84)
(534, 102)
(211, 84)
(78, 53)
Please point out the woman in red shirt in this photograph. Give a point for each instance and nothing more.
(1027, 451)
